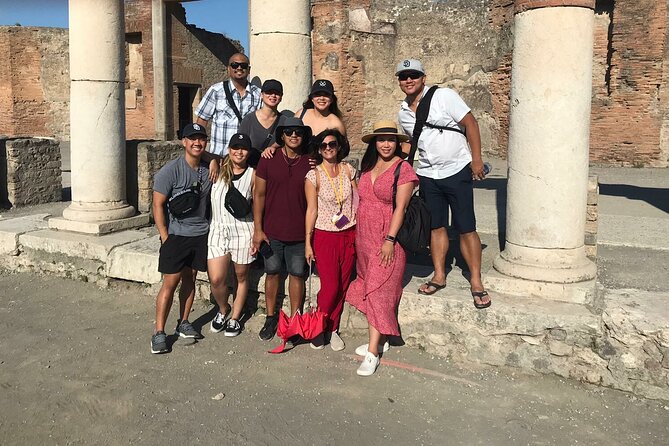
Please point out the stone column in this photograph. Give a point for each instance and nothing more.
(549, 131)
(97, 117)
(160, 83)
(280, 40)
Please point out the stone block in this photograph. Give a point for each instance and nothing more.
(591, 227)
(78, 245)
(590, 239)
(591, 251)
(11, 229)
(581, 292)
(358, 20)
(33, 171)
(591, 213)
(136, 261)
(101, 227)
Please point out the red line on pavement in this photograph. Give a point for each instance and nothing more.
(415, 369)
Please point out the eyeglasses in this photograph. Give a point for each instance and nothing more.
(242, 65)
(409, 75)
(290, 130)
(332, 144)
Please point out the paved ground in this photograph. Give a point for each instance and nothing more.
(75, 369)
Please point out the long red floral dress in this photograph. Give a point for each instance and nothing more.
(377, 290)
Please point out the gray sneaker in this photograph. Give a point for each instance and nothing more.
(159, 343)
(186, 330)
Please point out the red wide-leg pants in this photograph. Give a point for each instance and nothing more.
(335, 259)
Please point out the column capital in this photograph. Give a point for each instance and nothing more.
(526, 5)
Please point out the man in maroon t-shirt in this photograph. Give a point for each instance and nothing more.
(279, 208)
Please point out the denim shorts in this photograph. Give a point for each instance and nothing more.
(288, 256)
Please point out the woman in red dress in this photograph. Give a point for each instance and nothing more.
(381, 261)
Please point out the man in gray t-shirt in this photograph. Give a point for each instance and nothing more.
(183, 250)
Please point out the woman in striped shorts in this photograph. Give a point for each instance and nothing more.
(230, 237)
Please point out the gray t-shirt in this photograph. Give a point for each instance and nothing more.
(176, 176)
(252, 127)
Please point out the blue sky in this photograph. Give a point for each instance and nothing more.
(229, 17)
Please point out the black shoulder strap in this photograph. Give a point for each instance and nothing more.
(270, 133)
(422, 111)
(397, 177)
(304, 112)
(231, 102)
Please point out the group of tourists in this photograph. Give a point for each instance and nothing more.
(275, 187)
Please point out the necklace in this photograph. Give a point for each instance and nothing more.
(290, 161)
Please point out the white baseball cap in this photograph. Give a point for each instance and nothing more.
(409, 65)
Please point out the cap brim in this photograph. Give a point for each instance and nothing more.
(410, 69)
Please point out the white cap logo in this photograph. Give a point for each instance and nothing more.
(196, 127)
(322, 83)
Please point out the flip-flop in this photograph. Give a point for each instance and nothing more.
(436, 287)
(480, 294)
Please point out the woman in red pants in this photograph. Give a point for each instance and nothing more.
(330, 229)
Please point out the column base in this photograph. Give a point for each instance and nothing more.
(98, 212)
(577, 293)
(551, 265)
(99, 227)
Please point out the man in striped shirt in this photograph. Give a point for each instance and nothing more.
(216, 108)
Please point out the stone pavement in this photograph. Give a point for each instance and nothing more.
(75, 369)
(620, 338)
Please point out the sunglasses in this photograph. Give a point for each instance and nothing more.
(242, 65)
(409, 75)
(290, 130)
(332, 144)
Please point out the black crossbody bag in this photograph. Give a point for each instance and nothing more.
(236, 203)
(186, 201)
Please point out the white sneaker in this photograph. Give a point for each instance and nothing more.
(362, 350)
(336, 342)
(218, 322)
(369, 365)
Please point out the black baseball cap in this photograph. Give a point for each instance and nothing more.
(241, 141)
(193, 129)
(272, 85)
(322, 86)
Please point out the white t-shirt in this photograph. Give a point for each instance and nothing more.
(441, 154)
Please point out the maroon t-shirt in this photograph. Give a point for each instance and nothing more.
(285, 202)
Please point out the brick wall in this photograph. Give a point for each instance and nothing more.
(626, 111)
(30, 171)
(35, 82)
(357, 44)
(468, 45)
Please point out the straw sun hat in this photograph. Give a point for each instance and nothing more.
(385, 127)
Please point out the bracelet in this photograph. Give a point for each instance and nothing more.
(390, 238)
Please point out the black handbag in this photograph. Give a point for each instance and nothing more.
(236, 203)
(414, 234)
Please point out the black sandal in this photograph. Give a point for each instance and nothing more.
(436, 287)
(480, 294)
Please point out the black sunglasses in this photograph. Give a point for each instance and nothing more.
(290, 130)
(409, 75)
(331, 144)
(242, 65)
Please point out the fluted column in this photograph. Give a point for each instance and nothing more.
(280, 40)
(549, 142)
